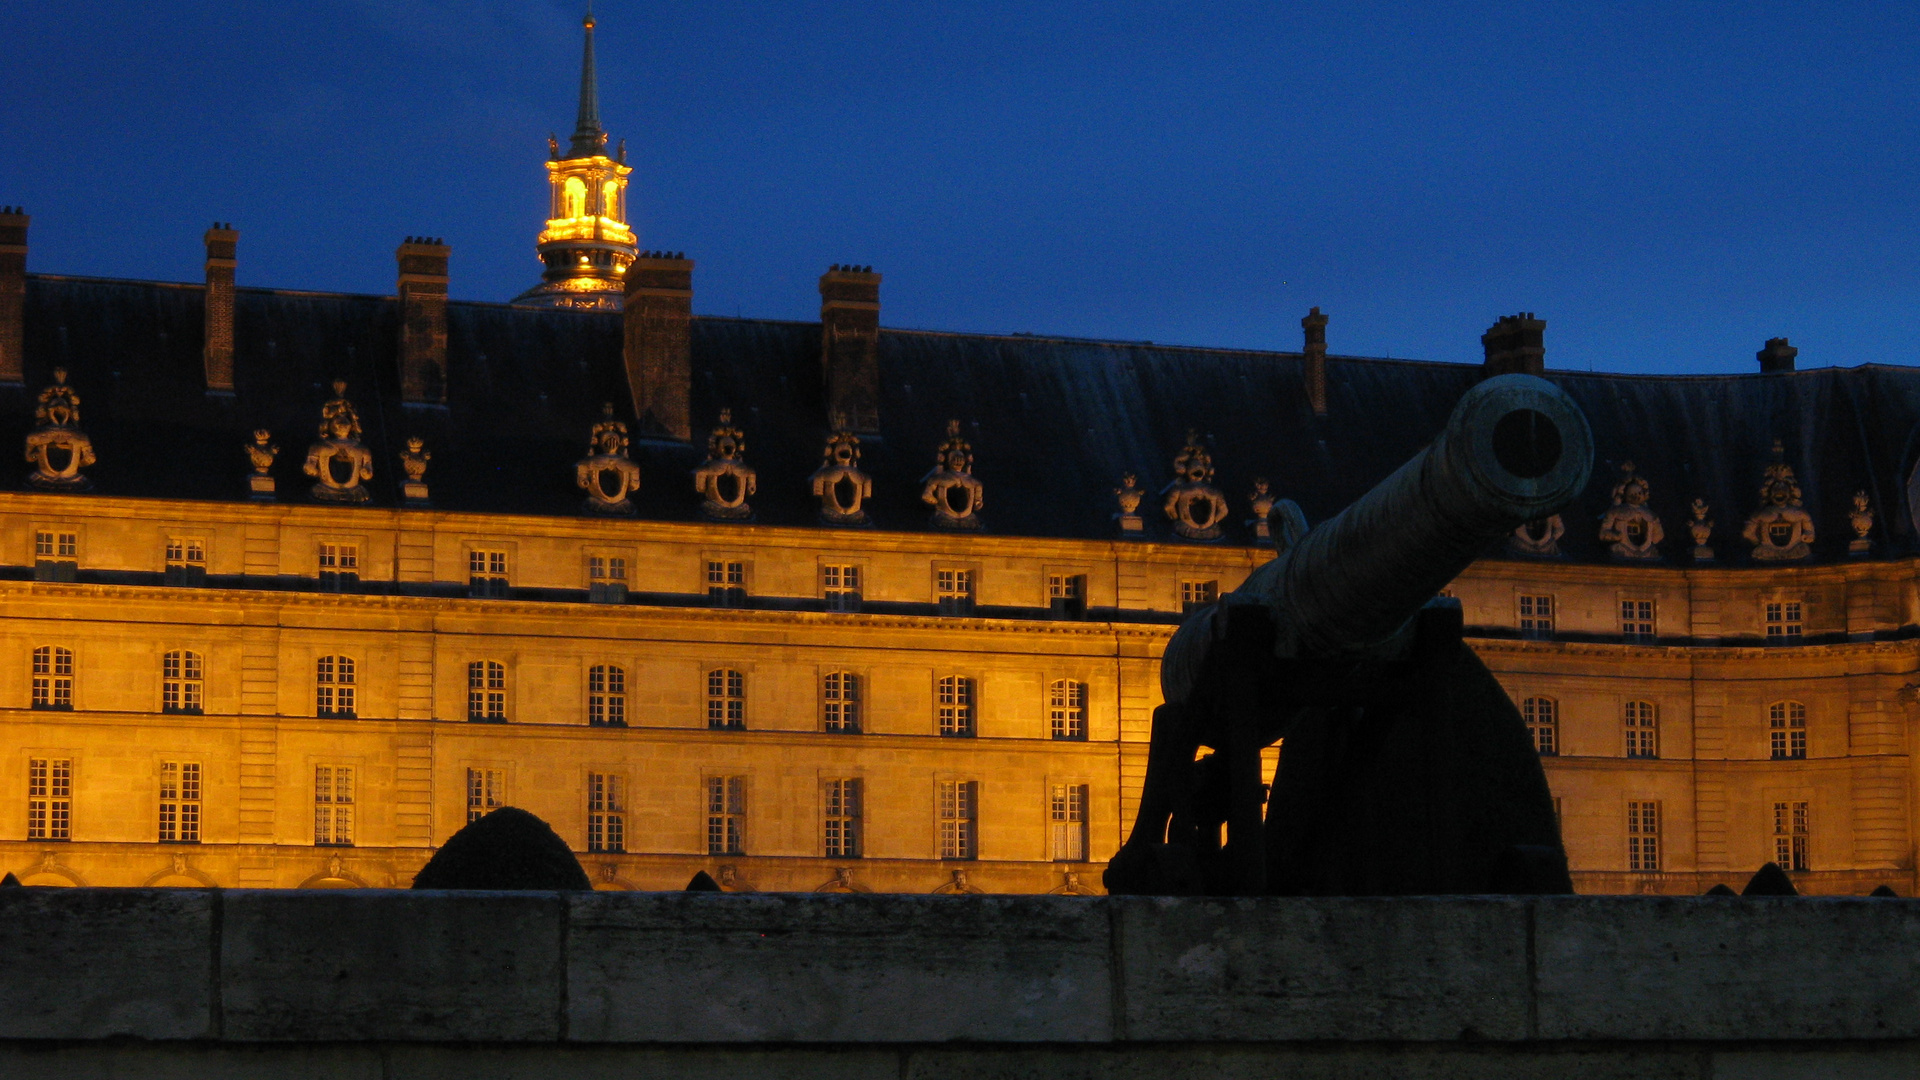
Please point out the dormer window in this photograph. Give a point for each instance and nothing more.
(727, 582)
(486, 573)
(186, 561)
(1067, 595)
(953, 588)
(339, 567)
(56, 554)
(607, 579)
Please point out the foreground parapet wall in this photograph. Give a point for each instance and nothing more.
(420, 984)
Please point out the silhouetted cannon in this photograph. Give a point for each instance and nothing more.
(1404, 768)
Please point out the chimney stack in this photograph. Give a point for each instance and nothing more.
(423, 320)
(850, 345)
(13, 292)
(1777, 356)
(223, 244)
(1516, 343)
(1315, 350)
(657, 320)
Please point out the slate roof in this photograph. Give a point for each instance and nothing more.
(1054, 422)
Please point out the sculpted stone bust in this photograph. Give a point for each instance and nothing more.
(839, 484)
(338, 461)
(261, 453)
(1632, 529)
(1198, 509)
(723, 479)
(606, 474)
(1129, 495)
(56, 447)
(1781, 530)
(951, 488)
(1701, 530)
(1540, 538)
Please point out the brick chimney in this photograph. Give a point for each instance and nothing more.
(423, 321)
(1516, 343)
(1315, 351)
(657, 320)
(223, 244)
(1777, 356)
(850, 345)
(13, 292)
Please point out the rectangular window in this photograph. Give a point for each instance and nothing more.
(179, 802)
(1067, 823)
(1643, 837)
(726, 699)
(840, 701)
(1636, 620)
(607, 579)
(486, 573)
(606, 812)
(1542, 715)
(1536, 615)
(1642, 723)
(955, 705)
(182, 682)
(339, 567)
(486, 792)
(1067, 709)
(186, 561)
(1783, 621)
(606, 696)
(333, 805)
(487, 691)
(1790, 835)
(55, 555)
(840, 586)
(841, 800)
(959, 819)
(1198, 594)
(726, 815)
(52, 677)
(50, 799)
(726, 583)
(334, 686)
(1067, 595)
(1787, 730)
(954, 591)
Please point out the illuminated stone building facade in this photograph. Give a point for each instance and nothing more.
(294, 583)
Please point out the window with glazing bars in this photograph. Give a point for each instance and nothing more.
(333, 686)
(486, 573)
(1783, 620)
(179, 802)
(1790, 835)
(1642, 723)
(1198, 594)
(840, 586)
(1067, 595)
(606, 696)
(1542, 715)
(1536, 615)
(52, 677)
(333, 805)
(1787, 730)
(339, 567)
(955, 705)
(486, 792)
(182, 682)
(1067, 709)
(606, 812)
(959, 819)
(726, 699)
(1636, 620)
(953, 588)
(726, 815)
(1643, 837)
(186, 561)
(840, 701)
(1067, 822)
(607, 579)
(726, 583)
(487, 691)
(50, 798)
(841, 818)
(55, 555)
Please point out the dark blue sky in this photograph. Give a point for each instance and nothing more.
(1668, 184)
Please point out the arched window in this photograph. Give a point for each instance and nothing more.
(573, 198)
(606, 696)
(726, 699)
(956, 701)
(1067, 709)
(840, 701)
(181, 685)
(1787, 729)
(610, 200)
(1542, 715)
(1643, 729)
(52, 677)
(487, 691)
(333, 686)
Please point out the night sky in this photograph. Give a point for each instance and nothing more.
(1667, 184)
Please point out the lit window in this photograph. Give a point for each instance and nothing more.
(1790, 835)
(339, 567)
(1542, 715)
(487, 691)
(726, 699)
(959, 819)
(486, 573)
(50, 798)
(726, 583)
(486, 792)
(954, 590)
(1636, 620)
(842, 819)
(606, 696)
(1787, 729)
(573, 198)
(1536, 616)
(186, 561)
(333, 805)
(840, 586)
(1643, 729)
(726, 815)
(182, 676)
(1783, 621)
(333, 686)
(1067, 595)
(1067, 709)
(1643, 836)
(52, 677)
(606, 812)
(1067, 822)
(607, 579)
(610, 199)
(955, 697)
(55, 555)
(1198, 594)
(840, 701)
(179, 802)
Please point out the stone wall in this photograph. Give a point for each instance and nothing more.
(399, 984)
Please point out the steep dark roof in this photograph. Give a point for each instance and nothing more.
(1054, 422)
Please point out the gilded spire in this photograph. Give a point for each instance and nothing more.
(588, 139)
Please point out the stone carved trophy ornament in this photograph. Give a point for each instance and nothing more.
(1198, 509)
(413, 463)
(1702, 531)
(1861, 518)
(339, 462)
(1406, 768)
(261, 453)
(1781, 530)
(1632, 529)
(951, 488)
(723, 480)
(1128, 495)
(607, 474)
(1269, 512)
(843, 490)
(1540, 539)
(56, 447)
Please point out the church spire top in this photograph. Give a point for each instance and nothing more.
(588, 138)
